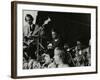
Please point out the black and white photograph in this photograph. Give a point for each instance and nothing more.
(53, 39)
(56, 39)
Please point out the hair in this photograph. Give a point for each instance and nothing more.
(50, 52)
(30, 16)
(63, 55)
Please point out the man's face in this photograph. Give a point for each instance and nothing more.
(54, 35)
(47, 59)
(29, 20)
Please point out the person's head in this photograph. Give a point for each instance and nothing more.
(54, 34)
(78, 44)
(29, 19)
(48, 56)
(66, 46)
(50, 46)
(60, 56)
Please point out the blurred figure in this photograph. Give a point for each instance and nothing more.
(61, 58)
(29, 28)
(66, 47)
(82, 55)
(55, 40)
(78, 54)
(48, 60)
(34, 64)
(25, 64)
(50, 46)
(29, 43)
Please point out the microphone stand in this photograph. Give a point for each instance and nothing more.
(39, 43)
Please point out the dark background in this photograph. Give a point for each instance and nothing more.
(71, 26)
